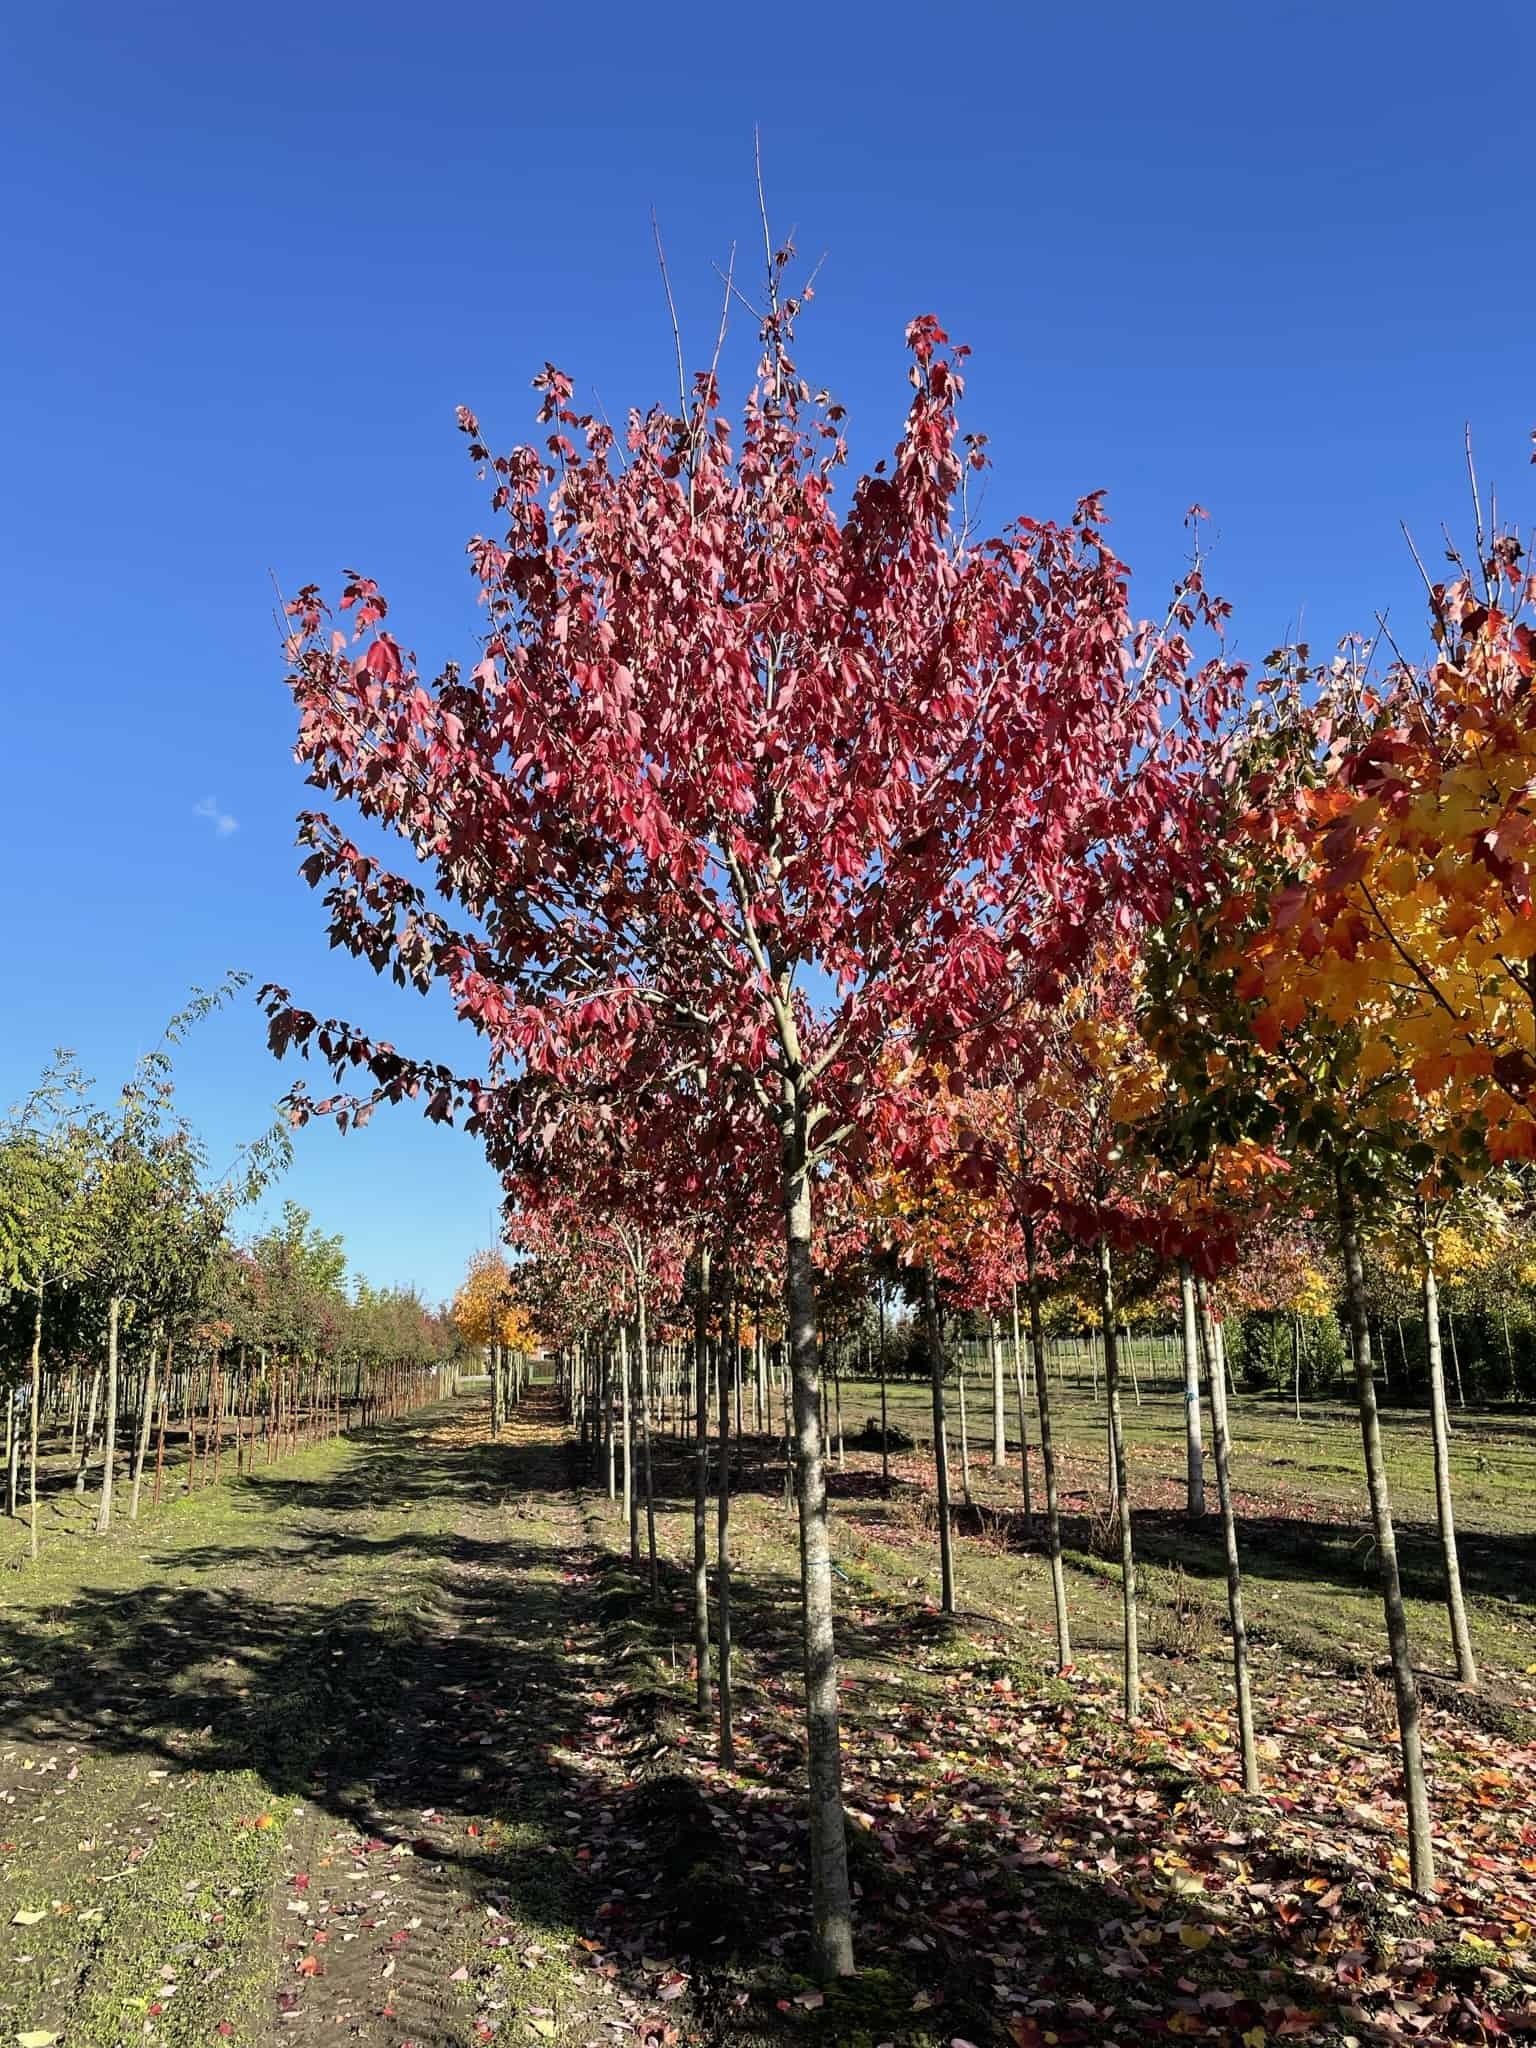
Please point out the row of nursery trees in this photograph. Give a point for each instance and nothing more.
(488, 1318)
(135, 1327)
(818, 869)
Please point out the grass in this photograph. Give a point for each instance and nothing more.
(949, 1717)
(1308, 1555)
(225, 1699)
(388, 1742)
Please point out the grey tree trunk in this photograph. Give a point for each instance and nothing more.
(32, 1419)
(645, 1449)
(1131, 1644)
(88, 1435)
(13, 1452)
(723, 1376)
(1445, 1513)
(109, 1420)
(831, 1898)
(965, 1434)
(631, 1499)
(1194, 1449)
(701, 1487)
(885, 1445)
(1421, 1854)
(1047, 1453)
(1222, 1449)
(999, 1407)
(1018, 1375)
(1221, 1356)
(610, 1434)
(940, 1443)
(141, 1449)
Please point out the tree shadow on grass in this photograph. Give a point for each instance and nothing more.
(979, 1898)
(1293, 1549)
(477, 1683)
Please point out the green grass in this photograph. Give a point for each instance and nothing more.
(371, 1630)
(1308, 1555)
(156, 1872)
(199, 1705)
(941, 1711)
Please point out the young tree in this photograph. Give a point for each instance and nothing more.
(45, 1220)
(773, 770)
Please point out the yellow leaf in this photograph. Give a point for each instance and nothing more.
(39, 2037)
(544, 2028)
(1195, 1937)
(1255, 2038)
(28, 1916)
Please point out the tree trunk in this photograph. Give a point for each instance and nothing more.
(1440, 1431)
(1194, 1450)
(1421, 1854)
(1018, 1377)
(1296, 1361)
(701, 1488)
(645, 1446)
(88, 1435)
(32, 1419)
(109, 1419)
(146, 1421)
(1132, 1647)
(631, 1500)
(1222, 1449)
(885, 1427)
(160, 1427)
(610, 1434)
(999, 1413)
(190, 1406)
(1111, 1464)
(1221, 1357)
(12, 1452)
(831, 1898)
(723, 1376)
(940, 1443)
(965, 1434)
(1047, 1453)
(215, 1412)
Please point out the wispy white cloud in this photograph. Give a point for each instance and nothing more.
(221, 821)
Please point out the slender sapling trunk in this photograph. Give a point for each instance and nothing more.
(1222, 1449)
(1132, 1650)
(1194, 1450)
(1445, 1514)
(1421, 1854)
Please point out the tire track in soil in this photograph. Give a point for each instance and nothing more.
(422, 1845)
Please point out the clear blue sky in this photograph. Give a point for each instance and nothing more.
(1267, 257)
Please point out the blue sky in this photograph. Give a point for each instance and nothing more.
(1270, 258)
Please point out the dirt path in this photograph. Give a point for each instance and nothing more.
(276, 1766)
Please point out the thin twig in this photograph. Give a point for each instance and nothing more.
(677, 332)
(1477, 514)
